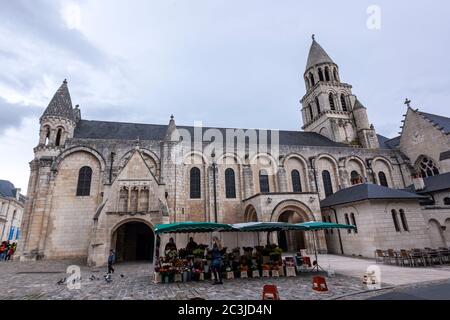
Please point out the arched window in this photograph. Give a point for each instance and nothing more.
(355, 177)
(395, 219)
(327, 185)
(428, 168)
(195, 185)
(58, 137)
(352, 216)
(320, 74)
(84, 182)
(403, 219)
(264, 182)
(347, 221)
(296, 182)
(343, 103)
(230, 184)
(311, 77)
(318, 105)
(47, 136)
(311, 114)
(327, 74)
(331, 100)
(335, 75)
(382, 179)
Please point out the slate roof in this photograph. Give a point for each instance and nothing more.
(317, 55)
(433, 184)
(440, 121)
(61, 104)
(87, 129)
(7, 189)
(386, 143)
(367, 192)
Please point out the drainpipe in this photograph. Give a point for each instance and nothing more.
(214, 165)
(338, 230)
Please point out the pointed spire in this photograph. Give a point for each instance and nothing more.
(171, 130)
(358, 105)
(61, 104)
(317, 55)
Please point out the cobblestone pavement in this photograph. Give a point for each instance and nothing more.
(38, 280)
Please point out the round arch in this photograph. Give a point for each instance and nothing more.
(73, 150)
(250, 214)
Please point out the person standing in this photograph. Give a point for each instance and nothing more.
(3, 251)
(216, 264)
(111, 261)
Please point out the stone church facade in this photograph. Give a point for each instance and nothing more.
(96, 185)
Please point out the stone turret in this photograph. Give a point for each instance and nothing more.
(366, 132)
(58, 122)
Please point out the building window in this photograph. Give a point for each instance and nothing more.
(264, 182)
(230, 184)
(318, 105)
(404, 221)
(395, 219)
(58, 138)
(447, 201)
(320, 74)
(331, 100)
(327, 185)
(311, 77)
(195, 184)
(84, 182)
(382, 179)
(428, 168)
(343, 103)
(347, 222)
(352, 216)
(335, 75)
(355, 178)
(327, 74)
(296, 182)
(311, 114)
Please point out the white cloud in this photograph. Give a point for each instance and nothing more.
(71, 14)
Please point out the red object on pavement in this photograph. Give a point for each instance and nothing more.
(270, 292)
(319, 284)
(307, 261)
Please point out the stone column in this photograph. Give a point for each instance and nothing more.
(282, 179)
(249, 189)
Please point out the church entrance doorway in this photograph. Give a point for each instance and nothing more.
(291, 241)
(133, 241)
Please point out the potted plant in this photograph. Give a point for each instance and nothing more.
(275, 254)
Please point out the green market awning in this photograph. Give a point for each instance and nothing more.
(317, 225)
(192, 227)
(266, 226)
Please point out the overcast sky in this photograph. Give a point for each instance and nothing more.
(227, 63)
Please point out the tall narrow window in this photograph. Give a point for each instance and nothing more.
(404, 221)
(428, 168)
(47, 136)
(318, 105)
(311, 114)
(230, 184)
(352, 216)
(347, 221)
(320, 74)
(343, 103)
(382, 179)
(395, 219)
(264, 182)
(311, 77)
(354, 177)
(58, 138)
(336, 78)
(327, 185)
(296, 182)
(195, 184)
(84, 182)
(327, 74)
(331, 100)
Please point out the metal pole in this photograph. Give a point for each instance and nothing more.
(215, 191)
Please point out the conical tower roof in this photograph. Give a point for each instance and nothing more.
(358, 105)
(61, 104)
(317, 55)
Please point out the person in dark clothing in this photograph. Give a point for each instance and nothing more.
(216, 264)
(171, 245)
(191, 246)
(111, 261)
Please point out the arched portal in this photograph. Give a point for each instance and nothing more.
(291, 240)
(133, 241)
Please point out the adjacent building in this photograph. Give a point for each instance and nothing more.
(11, 210)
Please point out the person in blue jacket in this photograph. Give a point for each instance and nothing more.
(216, 264)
